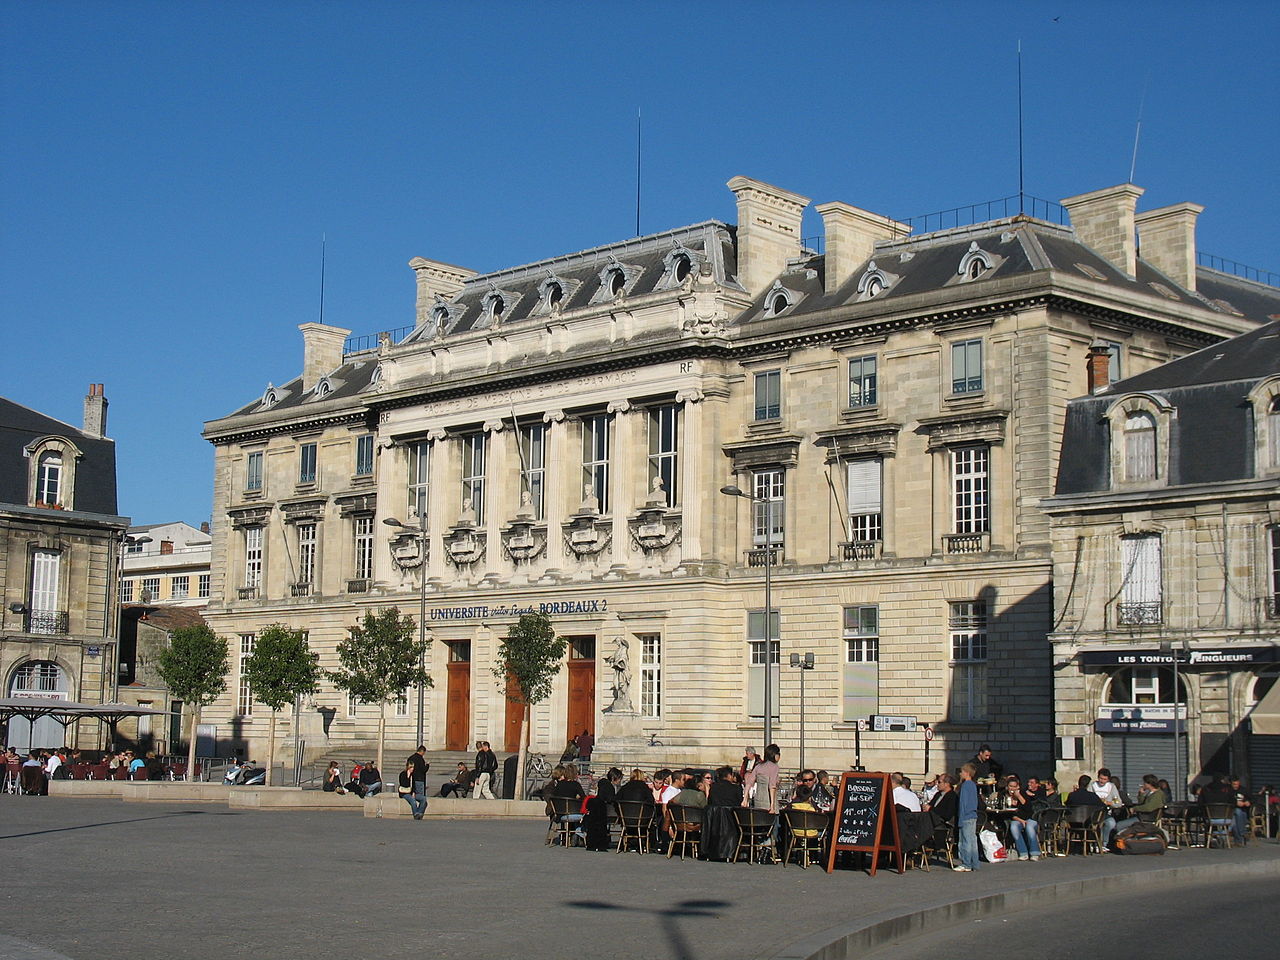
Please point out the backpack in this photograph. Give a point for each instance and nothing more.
(1141, 838)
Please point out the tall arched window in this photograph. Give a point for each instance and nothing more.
(1139, 447)
(49, 477)
(1143, 686)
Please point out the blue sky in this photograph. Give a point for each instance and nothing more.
(169, 168)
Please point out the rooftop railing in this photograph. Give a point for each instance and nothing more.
(1237, 269)
(359, 344)
(974, 213)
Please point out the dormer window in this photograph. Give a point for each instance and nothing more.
(51, 473)
(1273, 430)
(555, 294)
(976, 269)
(440, 317)
(617, 283)
(976, 263)
(270, 398)
(683, 267)
(323, 388)
(778, 302)
(49, 477)
(1139, 447)
(496, 306)
(376, 376)
(874, 282)
(874, 286)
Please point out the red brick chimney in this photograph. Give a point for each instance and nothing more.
(1099, 367)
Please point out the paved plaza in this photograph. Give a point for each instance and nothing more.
(108, 879)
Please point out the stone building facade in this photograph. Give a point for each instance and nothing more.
(1166, 536)
(59, 555)
(167, 563)
(561, 431)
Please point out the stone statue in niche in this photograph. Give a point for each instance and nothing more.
(619, 661)
(468, 516)
(525, 512)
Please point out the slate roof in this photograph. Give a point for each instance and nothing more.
(95, 473)
(1211, 437)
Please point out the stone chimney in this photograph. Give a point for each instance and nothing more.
(204, 526)
(321, 351)
(95, 412)
(768, 231)
(1168, 238)
(1099, 367)
(436, 279)
(851, 237)
(1103, 221)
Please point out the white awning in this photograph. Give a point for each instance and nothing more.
(1266, 715)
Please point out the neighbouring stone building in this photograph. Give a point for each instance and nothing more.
(1166, 536)
(894, 405)
(167, 563)
(59, 559)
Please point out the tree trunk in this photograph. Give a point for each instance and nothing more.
(523, 753)
(191, 745)
(271, 747)
(382, 732)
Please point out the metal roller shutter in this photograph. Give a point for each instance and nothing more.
(1264, 761)
(1132, 756)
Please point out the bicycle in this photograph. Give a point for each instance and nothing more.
(653, 741)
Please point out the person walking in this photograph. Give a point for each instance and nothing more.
(486, 767)
(418, 761)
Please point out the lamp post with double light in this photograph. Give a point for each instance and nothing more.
(1176, 653)
(732, 490)
(420, 533)
(802, 662)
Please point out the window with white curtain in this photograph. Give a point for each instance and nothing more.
(1139, 447)
(1140, 594)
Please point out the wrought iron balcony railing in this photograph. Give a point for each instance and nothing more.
(1139, 614)
(47, 621)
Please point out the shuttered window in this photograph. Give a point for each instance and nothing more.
(865, 512)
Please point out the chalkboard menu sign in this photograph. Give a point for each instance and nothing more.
(865, 819)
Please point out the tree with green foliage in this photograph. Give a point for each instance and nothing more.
(280, 669)
(528, 660)
(194, 667)
(380, 660)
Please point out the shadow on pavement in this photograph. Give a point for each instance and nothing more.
(666, 916)
(106, 823)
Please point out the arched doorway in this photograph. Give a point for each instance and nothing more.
(1146, 748)
(42, 680)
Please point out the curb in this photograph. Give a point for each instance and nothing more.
(845, 942)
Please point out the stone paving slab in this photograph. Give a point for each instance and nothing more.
(105, 880)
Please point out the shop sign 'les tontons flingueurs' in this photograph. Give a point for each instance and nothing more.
(1220, 657)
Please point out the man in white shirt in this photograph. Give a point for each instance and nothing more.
(902, 793)
(1106, 791)
(930, 787)
(52, 764)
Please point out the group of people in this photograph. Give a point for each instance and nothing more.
(41, 765)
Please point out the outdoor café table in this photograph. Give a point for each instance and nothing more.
(1000, 818)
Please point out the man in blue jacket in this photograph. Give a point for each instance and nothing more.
(967, 821)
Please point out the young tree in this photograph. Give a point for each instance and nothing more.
(194, 667)
(528, 660)
(281, 669)
(380, 661)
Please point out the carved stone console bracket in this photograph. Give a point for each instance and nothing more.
(464, 545)
(523, 541)
(585, 535)
(408, 551)
(249, 517)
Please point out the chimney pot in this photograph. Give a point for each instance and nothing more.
(95, 411)
(1099, 367)
(321, 351)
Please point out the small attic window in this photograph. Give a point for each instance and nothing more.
(875, 286)
(496, 306)
(440, 316)
(617, 283)
(683, 267)
(270, 398)
(1164, 291)
(376, 376)
(778, 303)
(323, 388)
(976, 268)
(555, 294)
(1092, 272)
(975, 262)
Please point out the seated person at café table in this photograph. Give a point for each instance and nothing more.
(635, 790)
(693, 790)
(944, 804)
(802, 799)
(1023, 827)
(1109, 794)
(1151, 800)
(725, 791)
(902, 793)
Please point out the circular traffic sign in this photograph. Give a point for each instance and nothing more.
(928, 733)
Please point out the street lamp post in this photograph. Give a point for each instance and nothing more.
(1167, 647)
(421, 534)
(732, 490)
(802, 663)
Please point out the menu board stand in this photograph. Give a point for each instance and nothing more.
(865, 819)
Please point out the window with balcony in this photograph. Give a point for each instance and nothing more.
(768, 511)
(364, 455)
(533, 466)
(419, 475)
(971, 494)
(362, 528)
(664, 450)
(862, 382)
(307, 463)
(768, 391)
(1140, 593)
(253, 472)
(966, 367)
(473, 475)
(596, 443)
(967, 623)
(866, 527)
(757, 644)
(861, 632)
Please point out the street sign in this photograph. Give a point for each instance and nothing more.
(862, 726)
(928, 733)
(882, 723)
